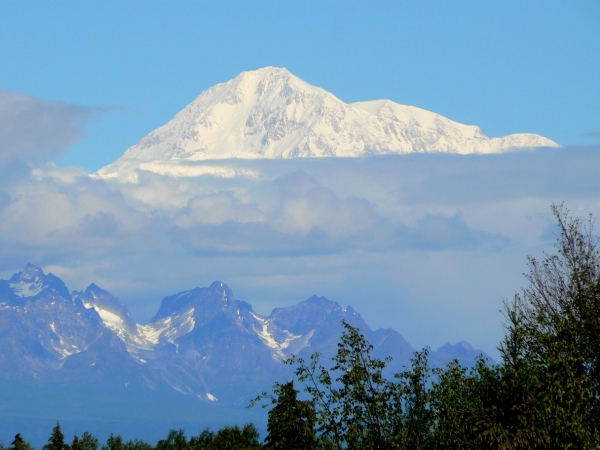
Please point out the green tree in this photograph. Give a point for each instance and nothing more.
(291, 423)
(137, 444)
(455, 405)
(20, 444)
(560, 322)
(414, 405)
(203, 440)
(176, 440)
(545, 393)
(356, 407)
(56, 441)
(75, 444)
(512, 393)
(114, 443)
(234, 438)
(88, 442)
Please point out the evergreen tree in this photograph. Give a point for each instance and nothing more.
(291, 423)
(56, 441)
(20, 444)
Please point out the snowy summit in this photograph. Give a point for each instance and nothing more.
(270, 113)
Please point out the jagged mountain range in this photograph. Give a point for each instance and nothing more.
(270, 113)
(202, 343)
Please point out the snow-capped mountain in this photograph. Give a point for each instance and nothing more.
(202, 342)
(270, 113)
(44, 329)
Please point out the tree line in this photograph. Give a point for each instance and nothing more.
(230, 437)
(543, 394)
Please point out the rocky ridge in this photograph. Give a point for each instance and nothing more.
(202, 342)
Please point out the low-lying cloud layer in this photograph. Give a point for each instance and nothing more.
(427, 244)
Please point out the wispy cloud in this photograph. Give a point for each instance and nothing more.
(592, 134)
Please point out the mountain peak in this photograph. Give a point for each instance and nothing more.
(220, 289)
(270, 113)
(31, 272)
(267, 78)
(33, 268)
(209, 299)
(315, 299)
(32, 281)
(93, 288)
(264, 72)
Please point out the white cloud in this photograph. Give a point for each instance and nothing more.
(427, 244)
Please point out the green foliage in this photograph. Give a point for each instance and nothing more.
(291, 423)
(455, 406)
(138, 445)
(545, 393)
(354, 408)
(75, 444)
(20, 444)
(357, 407)
(176, 440)
(559, 315)
(114, 443)
(87, 442)
(235, 438)
(416, 399)
(56, 440)
(202, 441)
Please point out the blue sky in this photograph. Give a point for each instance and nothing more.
(427, 244)
(507, 66)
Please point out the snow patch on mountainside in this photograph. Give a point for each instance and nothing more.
(64, 349)
(24, 289)
(151, 333)
(269, 339)
(168, 329)
(111, 320)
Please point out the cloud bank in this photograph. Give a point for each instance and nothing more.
(427, 244)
